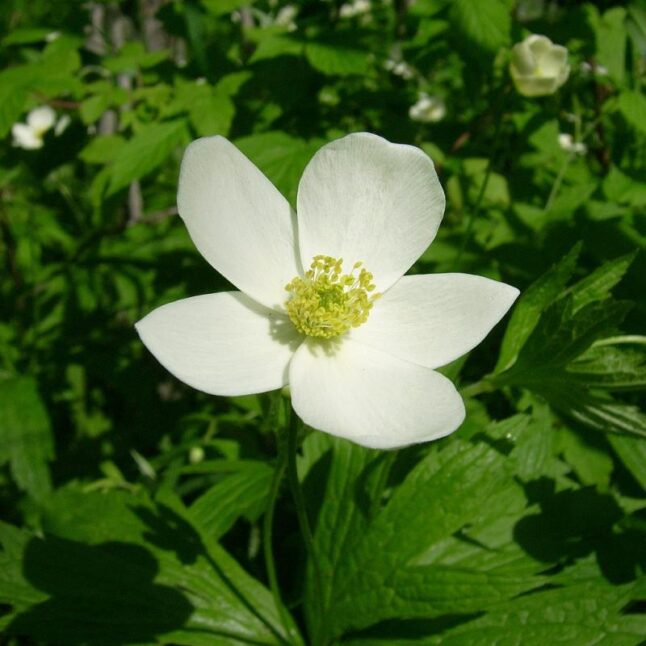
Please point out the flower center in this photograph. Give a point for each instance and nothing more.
(325, 302)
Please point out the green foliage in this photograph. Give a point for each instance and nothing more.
(134, 508)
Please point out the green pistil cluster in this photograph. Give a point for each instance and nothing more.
(326, 303)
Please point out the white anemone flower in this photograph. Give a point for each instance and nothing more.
(538, 67)
(324, 304)
(427, 109)
(30, 135)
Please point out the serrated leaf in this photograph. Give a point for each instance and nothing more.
(597, 285)
(615, 363)
(147, 150)
(562, 335)
(578, 614)
(531, 304)
(377, 545)
(594, 410)
(116, 559)
(25, 434)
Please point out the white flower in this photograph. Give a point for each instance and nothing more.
(354, 8)
(30, 135)
(286, 17)
(400, 68)
(428, 109)
(566, 141)
(359, 366)
(538, 66)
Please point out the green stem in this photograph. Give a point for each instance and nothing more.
(471, 218)
(301, 511)
(268, 524)
(477, 388)
(557, 182)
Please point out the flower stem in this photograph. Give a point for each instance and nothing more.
(557, 182)
(471, 218)
(301, 511)
(477, 388)
(268, 523)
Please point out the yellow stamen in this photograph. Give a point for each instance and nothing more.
(325, 302)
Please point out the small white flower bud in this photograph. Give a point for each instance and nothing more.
(538, 67)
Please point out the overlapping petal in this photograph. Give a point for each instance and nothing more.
(362, 198)
(434, 319)
(370, 397)
(238, 220)
(222, 344)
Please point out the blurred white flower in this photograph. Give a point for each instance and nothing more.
(428, 109)
(356, 371)
(566, 141)
(538, 67)
(52, 36)
(354, 8)
(286, 17)
(593, 68)
(30, 135)
(61, 124)
(400, 68)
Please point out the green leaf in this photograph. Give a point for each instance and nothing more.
(615, 363)
(594, 410)
(281, 157)
(632, 452)
(611, 36)
(243, 493)
(483, 25)
(12, 100)
(598, 285)
(275, 46)
(591, 612)
(146, 151)
(590, 462)
(632, 106)
(530, 306)
(26, 36)
(624, 189)
(116, 559)
(379, 563)
(101, 150)
(337, 57)
(26, 435)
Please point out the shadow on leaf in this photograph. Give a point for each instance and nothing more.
(573, 524)
(98, 595)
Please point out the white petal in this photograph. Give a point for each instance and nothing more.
(25, 137)
(238, 220)
(362, 198)
(222, 344)
(432, 320)
(62, 124)
(371, 398)
(41, 119)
